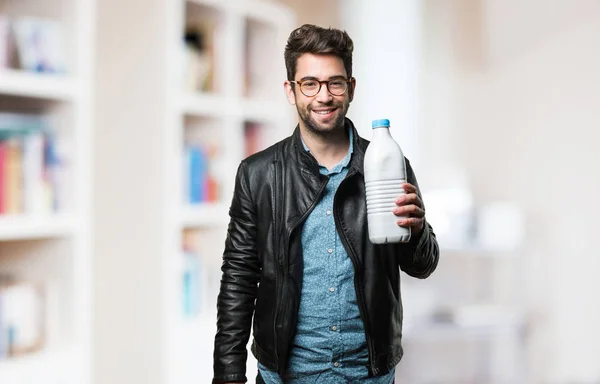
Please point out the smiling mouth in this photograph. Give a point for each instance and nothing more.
(324, 112)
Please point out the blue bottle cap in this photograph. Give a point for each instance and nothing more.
(381, 123)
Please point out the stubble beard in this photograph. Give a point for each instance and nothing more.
(320, 130)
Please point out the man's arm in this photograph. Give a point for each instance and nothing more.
(241, 273)
(423, 251)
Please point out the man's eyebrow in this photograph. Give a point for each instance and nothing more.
(335, 77)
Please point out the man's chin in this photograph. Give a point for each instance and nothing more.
(322, 128)
(325, 127)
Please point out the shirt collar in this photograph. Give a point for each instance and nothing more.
(345, 161)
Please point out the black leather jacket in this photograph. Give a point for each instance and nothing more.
(275, 191)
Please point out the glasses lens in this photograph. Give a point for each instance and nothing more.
(310, 88)
(337, 87)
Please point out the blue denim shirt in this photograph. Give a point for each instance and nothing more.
(330, 345)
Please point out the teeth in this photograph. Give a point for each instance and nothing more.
(323, 112)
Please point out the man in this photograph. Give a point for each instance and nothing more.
(326, 301)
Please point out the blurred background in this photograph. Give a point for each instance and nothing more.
(122, 124)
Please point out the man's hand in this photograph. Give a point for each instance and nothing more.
(410, 205)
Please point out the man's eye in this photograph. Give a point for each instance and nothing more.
(336, 84)
(310, 84)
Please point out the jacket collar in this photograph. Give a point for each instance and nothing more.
(309, 162)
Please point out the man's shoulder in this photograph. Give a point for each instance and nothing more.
(261, 159)
(258, 168)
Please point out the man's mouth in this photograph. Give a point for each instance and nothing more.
(325, 112)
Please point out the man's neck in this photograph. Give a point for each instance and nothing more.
(328, 150)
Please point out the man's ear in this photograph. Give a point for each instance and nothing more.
(289, 92)
(351, 88)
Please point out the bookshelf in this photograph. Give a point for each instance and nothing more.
(174, 95)
(45, 253)
(32, 85)
(241, 111)
(25, 227)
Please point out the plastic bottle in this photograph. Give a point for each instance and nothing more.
(385, 171)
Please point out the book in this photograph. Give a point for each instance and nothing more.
(22, 324)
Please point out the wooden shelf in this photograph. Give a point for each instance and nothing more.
(37, 85)
(24, 227)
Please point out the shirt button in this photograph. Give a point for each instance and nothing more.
(330, 250)
(331, 289)
(336, 364)
(329, 212)
(334, 328)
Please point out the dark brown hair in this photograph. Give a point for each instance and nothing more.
(317, 40)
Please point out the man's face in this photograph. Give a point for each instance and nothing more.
(323, 113)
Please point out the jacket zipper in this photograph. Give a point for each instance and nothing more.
(357, 279)
(279, 262)
(289, 232)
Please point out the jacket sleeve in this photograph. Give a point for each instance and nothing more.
(421, 254)
(239, 282)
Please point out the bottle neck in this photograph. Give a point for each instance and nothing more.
(381, 132)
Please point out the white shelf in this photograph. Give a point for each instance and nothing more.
(203, 104)
(37, 85)
(263, 11)
(218, 4)
(263, 111)
(48, 367)
(204, 215)
(22, 227)
(256, 109)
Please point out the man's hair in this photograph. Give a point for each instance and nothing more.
(317, 40)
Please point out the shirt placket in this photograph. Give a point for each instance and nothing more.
(335, 320)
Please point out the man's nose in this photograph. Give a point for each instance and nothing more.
(324, 96)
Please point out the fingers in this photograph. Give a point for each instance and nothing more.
(414, 215)
(410, 206)
(409, 188)
(413, 222)
(409, 198)
(411, 210)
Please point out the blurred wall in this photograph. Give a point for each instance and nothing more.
(510, 92)
(387, 53)
(128, 221)
(319, 12)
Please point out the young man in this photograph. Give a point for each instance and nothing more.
(326, 301)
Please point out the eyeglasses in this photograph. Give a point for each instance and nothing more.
(311, 87)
